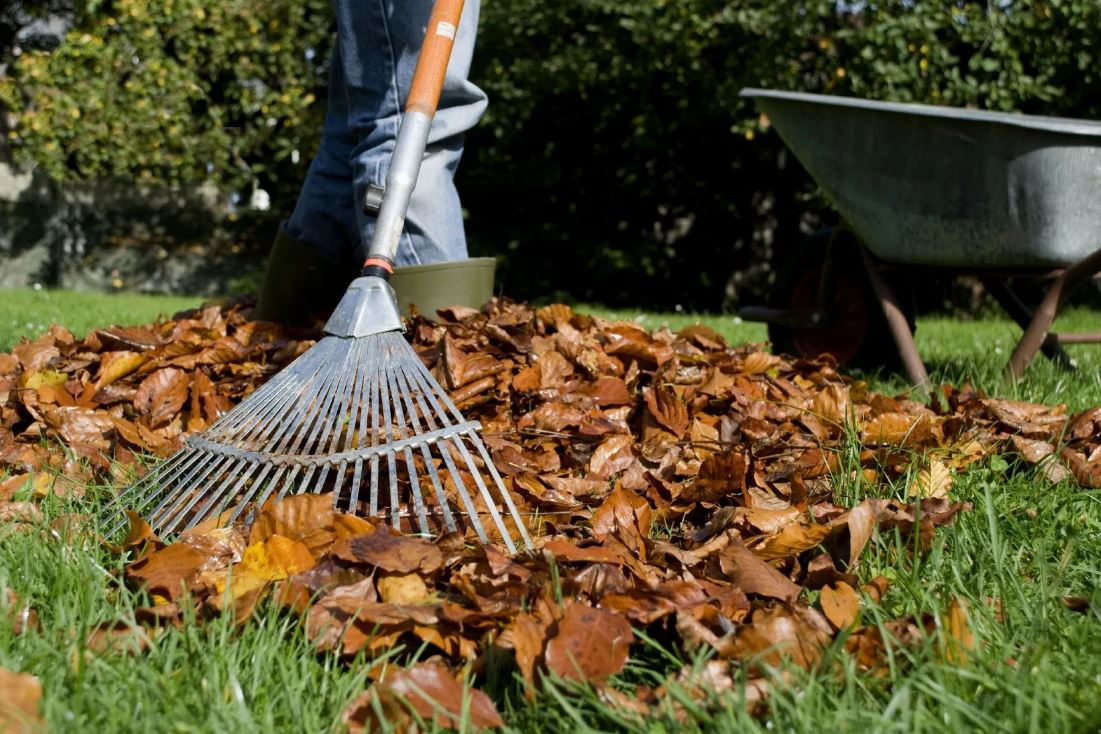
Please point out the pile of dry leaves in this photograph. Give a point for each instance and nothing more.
(678, 486)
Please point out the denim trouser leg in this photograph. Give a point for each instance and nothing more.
(372, 69)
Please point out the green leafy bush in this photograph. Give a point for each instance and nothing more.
(616, 162)
(174, 91)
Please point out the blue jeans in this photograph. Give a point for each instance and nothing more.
(371, 71)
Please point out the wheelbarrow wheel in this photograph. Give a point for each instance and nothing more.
(855, 331)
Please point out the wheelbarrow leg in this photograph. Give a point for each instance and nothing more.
(1019, 312)
(896, 320)
(1040, 326)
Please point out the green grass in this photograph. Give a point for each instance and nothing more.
(1026, 543)
(25, 312)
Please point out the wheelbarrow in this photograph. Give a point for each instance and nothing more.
(924, 189)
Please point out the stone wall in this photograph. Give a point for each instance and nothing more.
(114, 235)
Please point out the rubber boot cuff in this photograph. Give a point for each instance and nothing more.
(301, 286)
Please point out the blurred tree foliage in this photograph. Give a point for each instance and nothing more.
(616, 162)
(174, 91)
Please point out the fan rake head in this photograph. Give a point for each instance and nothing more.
(360, 417)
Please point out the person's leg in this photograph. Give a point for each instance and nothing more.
(312, 259)
(324, 217)
(379, 41)
(321, 245)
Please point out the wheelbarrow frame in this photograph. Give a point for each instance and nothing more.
(1038, 215)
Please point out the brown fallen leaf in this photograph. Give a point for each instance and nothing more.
(431, 692)
(753, 576)
(161, 395)
(840, 604)
(307, 518)
(958, 638)
(667, 409)
(626, 513)
(274, 559)
(167, 571)
(932, 481)
(20, 694)
(589, 644)
(390, 551)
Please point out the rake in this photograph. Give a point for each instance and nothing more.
(358, 408)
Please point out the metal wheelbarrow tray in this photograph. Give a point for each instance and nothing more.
(964, 190)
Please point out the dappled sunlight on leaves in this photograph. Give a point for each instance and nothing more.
(720, 499)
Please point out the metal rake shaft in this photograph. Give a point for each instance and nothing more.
(351, 414)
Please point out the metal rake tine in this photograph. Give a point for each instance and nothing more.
(506, 496)
(399, 412)
(375, 410)
(218, 503)
(421, 377)
(226, 490)
(287, 435)
(436, 392)
(268, 401)
(491, 504)
(145, 487)
(338, 484)
(189, 482)
(460, 486)
(425, 379)
(362, 413)
(329, 428)
(395, 517)
(267, 418)
(409, 395)
(272, 486)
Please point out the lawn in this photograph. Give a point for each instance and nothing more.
(1024, 547)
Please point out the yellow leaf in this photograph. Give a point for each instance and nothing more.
(116, 365)
(274, 559)
(35, 380)
(896, 429)
(840, 604)
(959, 640)
(759, 362)
(402, 589)
(933, 481)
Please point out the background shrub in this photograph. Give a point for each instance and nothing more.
(616, 162)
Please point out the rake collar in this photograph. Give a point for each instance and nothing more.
(368, 307)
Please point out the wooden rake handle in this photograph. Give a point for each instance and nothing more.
(405, 162)
(424, 94)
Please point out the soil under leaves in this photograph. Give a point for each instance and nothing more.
(674, 486)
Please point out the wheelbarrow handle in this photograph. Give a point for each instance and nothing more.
(405, 162)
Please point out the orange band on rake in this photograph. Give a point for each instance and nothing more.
(380, 262)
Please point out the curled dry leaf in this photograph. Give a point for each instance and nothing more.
(667, 409)
(753, 576)
(390, 551)
(161, 395)
(307, 518)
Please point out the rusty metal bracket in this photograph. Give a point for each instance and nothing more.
(896, 320)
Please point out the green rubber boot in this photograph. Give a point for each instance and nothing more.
(438, 285)
(300, 286)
